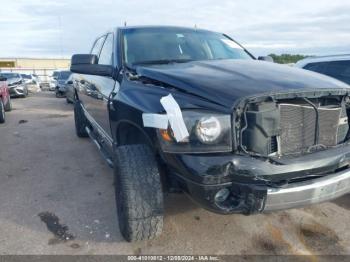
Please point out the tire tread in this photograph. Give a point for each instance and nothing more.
(8, 106)
(138, 178)
(2, 112)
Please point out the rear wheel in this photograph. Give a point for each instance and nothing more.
(138, 193)
(80, 120)
(2, 112)
(8, 106)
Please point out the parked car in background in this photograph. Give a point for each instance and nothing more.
(337, 66)
(5, 99)
(190, 109)
(16, 84)
(61, 83)
(53, 80)
(70, 92)
(32, 82)
(28, 78)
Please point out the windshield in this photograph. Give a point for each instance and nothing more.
(10, 75)
(26, 76)
(167, 45)
(64, 75)
(55, 74)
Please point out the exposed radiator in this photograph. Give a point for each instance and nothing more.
(298, 127)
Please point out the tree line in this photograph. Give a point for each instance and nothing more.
(286, 58)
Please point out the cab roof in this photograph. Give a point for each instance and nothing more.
(163, 27)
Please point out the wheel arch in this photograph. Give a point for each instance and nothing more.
(129, 133)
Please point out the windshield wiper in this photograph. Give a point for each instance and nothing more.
(162, 62)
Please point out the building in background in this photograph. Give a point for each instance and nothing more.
(32, 63)
(42, 67)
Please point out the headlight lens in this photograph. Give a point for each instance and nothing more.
(208, 129)
(209, 133)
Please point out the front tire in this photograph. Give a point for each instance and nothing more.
(2, 112)
(8, 106)
(138, 192)
(80, 120)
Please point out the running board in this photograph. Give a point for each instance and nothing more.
(100, 148)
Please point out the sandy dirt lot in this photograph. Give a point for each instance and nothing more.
(52, 182)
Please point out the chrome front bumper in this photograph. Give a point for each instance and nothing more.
(309, 192)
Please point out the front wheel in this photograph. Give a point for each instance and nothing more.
(138, 192)
(8, 106)
(2, 112)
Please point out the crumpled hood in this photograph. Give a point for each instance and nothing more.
(225, 81)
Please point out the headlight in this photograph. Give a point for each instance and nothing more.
(209, 133)
(208, 129)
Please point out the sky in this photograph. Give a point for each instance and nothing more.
(60, 28)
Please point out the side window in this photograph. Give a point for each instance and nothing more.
(338, 68)
(97, 46)
(106, 54)
(316, 67)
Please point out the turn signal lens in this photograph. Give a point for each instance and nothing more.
(165, 135)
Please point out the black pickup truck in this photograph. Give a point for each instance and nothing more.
(174, 108)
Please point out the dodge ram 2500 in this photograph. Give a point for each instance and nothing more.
(174, 108)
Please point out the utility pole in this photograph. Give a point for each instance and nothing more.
(60, 35)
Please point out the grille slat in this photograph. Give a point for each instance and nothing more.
(298, 127)
(329, 123)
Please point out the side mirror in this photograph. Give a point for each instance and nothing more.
(70, 82)
(266, 58)
(87, 64)
(3, 78)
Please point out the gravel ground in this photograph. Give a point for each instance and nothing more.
(56, 197)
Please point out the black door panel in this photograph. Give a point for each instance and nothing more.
(98, 90)
(94, 91)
